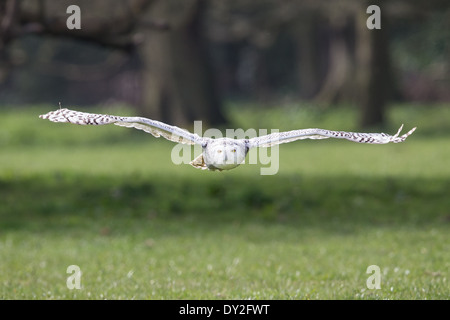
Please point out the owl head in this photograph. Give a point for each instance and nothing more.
(225, 153)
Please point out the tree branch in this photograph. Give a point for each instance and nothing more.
(117, 32)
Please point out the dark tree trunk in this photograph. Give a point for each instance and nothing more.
(338, 82)
(308, 61)
(373, 70)
(178, 83)
(8, 15)
(339, 72)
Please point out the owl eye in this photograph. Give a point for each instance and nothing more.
(219, 151)
(234, 150)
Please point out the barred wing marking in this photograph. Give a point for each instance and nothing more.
(156, 128)
(289, 136)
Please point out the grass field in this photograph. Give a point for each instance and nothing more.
(110, 201)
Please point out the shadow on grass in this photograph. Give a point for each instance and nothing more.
(70, 202)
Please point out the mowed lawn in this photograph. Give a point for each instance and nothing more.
(110, 201)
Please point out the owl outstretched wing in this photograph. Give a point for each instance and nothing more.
(289, 136)
(156, 128)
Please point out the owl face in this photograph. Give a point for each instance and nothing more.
(224, 153)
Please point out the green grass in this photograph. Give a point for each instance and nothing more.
(111, 201)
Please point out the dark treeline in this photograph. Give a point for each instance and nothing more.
(178, 61)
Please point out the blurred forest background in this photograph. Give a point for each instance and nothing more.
(179, 61)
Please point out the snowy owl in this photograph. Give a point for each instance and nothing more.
(221, 153)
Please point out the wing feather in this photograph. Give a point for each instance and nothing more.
(289, 136)
(156, 128)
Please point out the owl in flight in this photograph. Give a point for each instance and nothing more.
(221, 153)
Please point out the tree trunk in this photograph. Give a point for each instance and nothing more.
(308, 54)
(333, 87)
(178, 84)
(8, 16)
(373, 70)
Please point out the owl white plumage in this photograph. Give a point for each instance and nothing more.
(221, 153)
